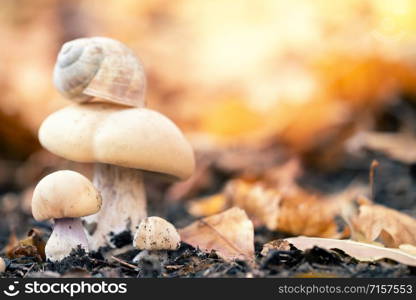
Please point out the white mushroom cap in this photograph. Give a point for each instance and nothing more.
(128, 137)
(155, 233)
(64, 194)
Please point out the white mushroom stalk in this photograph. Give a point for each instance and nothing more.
(67, 234)
(124, 203)
(2, 265)
(65, 196)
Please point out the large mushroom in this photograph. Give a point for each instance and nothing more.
(121, 142)
(65, 196)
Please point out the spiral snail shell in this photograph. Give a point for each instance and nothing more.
(102, 68)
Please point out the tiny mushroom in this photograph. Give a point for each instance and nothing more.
(65, 196)
(122, 142)
(155, 234)
(2, 265)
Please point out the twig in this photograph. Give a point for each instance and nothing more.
(173, 267)
(373, 166)
(30, 269)
(124, 263)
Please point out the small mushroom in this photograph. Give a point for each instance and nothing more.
(155, 233)
(153, 236)
(2, 265)
(122, 142)
(65, 196)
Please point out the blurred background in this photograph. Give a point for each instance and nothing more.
(251, 83)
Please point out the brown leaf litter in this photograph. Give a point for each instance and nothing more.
(294, 211)
(230, 234)
(376, 223)
(33, 246)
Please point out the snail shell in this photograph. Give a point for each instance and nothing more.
(100, 67)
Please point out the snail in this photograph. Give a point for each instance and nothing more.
(100, 67)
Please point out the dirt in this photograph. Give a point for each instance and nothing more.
(190, 262)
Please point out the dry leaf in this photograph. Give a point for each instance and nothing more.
(291, 210)
(261, 204)
(360, 251)
(393, 145)
(230, 234)
(377, 223)
(33, 245)
(410, 249)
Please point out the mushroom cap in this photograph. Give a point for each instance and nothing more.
(155, 233)
(137, 138)
(64, 194)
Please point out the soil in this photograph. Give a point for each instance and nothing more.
(190, 262)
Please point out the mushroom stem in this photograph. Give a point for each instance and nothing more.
(67, 234)
(124, 204)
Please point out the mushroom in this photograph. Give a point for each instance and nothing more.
(99, 67)
(121, 141)
(155, 233)
(65, 196)
(2, 265)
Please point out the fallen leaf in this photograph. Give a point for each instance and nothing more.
(261, 204)
(376, 223)
(360, 251)
(291, 210)
(393, 145)
(230, 234)
(33, 246)
(410, 249)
